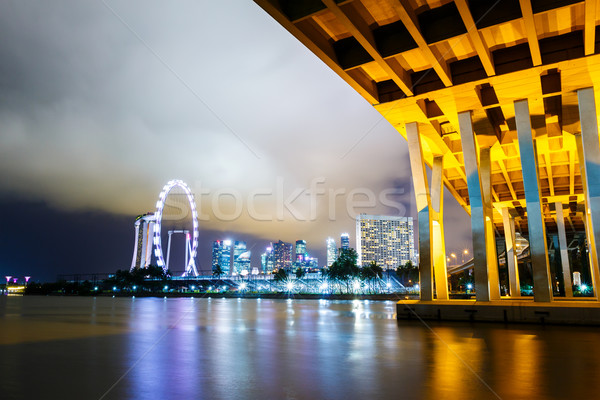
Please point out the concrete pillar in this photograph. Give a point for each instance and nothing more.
(511, 253)
(542, 287)
(564, 252)
(478, 214)
(485, 174)
(589, 234)
(437, 214)
(423, 200)
(590, 145)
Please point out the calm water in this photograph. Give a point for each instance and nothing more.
(122, 348)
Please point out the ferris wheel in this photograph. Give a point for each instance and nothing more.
(191, 241)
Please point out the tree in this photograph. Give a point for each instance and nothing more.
(218, 271)
(299, 273)
(344, 268)
(280, 276)
(371, 272)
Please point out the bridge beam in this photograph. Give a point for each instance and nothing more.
(423, 200)
(542, 288)
(590, 149)
(511, 254)
(439, 246)
(486, 279)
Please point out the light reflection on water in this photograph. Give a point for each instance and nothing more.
(78, 348)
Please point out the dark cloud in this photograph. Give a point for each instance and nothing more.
(101, 104)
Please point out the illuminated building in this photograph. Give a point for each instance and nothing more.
(142, 249)
(221, 255)
(345, 241)
(268, 261)
(241, 257)
(283, 255)
(387, 240)
(498, 100)
(331, 251)
(301, 251)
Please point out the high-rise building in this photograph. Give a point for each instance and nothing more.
(345, 241)
(221, 255)
(142, 248)
(268, 260)
(241, 257)
(283, 255)
(301, 251)
(387, 240)
(331, 251)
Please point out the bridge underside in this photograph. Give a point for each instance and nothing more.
(499, 100)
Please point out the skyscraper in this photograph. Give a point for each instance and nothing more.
(283, 255)
(221, 255)
(268, 260)
(241, 257)
(345, 241)
(387, 240)
(300, 251)
(331, 251)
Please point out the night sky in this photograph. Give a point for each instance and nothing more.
(101, 103)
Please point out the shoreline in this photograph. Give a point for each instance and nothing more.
(281, 296)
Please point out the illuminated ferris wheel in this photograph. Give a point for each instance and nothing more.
(191, 238)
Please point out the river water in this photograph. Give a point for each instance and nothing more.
(184, 348)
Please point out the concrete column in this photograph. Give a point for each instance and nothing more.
(423, 200)
(480, 248)
(591, 181)
(511, 253)
(485, 174)
(542, 287)
(564, 252)
(437, 213)
(592, 253)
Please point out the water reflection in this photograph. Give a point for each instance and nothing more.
(76, 348)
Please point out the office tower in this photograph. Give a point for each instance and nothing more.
(221, 255)
(241, 257)
(331, 251)
(283, 255)
(301, 251)
(268, 260)
(387, 240)
(345, 241)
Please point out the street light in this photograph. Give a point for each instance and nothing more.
(453, 255)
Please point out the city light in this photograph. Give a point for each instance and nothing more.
(584, 288)
(289, 286)
(469, 286)
(166, 287)
(114, 288)
(193, 287)
(135, 287)
(243, 286)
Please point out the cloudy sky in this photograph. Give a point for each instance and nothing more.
(103, 102)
